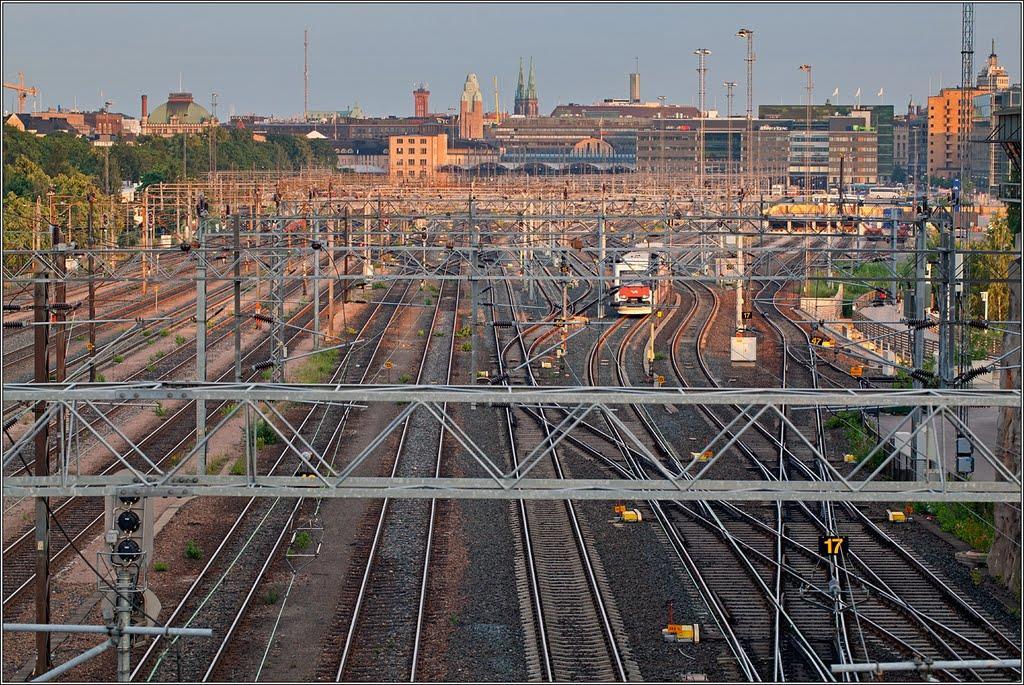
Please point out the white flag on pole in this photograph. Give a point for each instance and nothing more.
(857, 94)
(881, 92)
(835, 93)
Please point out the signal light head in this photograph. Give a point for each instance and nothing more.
(128, 499)
(128, 551)
(128, 522)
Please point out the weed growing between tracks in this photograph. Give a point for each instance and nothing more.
(971, 522)
(318, 368)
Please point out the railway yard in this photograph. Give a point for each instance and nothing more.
(380, 433)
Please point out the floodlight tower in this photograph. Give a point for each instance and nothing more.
(807, 131)
(749, 36)
(702, 54)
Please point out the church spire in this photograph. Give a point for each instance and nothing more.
(520, 87)
(531, 89)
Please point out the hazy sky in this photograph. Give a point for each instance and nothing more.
(251, 54)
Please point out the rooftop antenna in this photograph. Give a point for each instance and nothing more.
(179, 82)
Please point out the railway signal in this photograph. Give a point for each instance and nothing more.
(129, 526)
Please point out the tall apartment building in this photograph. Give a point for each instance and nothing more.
(910, 142)
(944, 124)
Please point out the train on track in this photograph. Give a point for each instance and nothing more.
(636, 280)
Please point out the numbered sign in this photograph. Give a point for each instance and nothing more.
(816, 340)
(857, 371)
(832, 545)
(748, 315)
(389, 364)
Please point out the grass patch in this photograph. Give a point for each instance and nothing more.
(660, 356)
(378, 285)
(270, 596)
(179, 340)
(438, 334)
(421, 333)
(164, 332)
(117, 358)
(160, 566)
(213, 467)
(151, 367)
(466, 346)
(238, 468)
(858, 441)
(192, 550)
(302, 540)
(159, 354)
(972, 522)
(820, 289)
(405, 378)
(265, 432)
(266, 374)
(318, 368)
(428, 301)
(464, 332)
(160, 410)
(100, 378)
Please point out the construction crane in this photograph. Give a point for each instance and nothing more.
(22, 91)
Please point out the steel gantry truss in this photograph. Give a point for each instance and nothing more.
(71, 404)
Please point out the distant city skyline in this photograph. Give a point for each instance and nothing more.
(376, 54)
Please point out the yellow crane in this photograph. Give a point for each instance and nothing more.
(22, 91)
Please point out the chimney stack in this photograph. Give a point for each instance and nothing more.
(145, 107)
(634, 88)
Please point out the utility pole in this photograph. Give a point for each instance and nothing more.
(125, 589)
(59, 305)
(729, 86)
(92, 293)
(201, 341)
(305, 74)
(918, 447)
(474, 286)
(213, 136)
(601, 256)
(317, 251)
(42, 468)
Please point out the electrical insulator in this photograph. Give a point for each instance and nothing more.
(263, 317)
(14, 324)
(185, 247)
(259, 366)
(9, 423)
(12, 307)
(316, 245)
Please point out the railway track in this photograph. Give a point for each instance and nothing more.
(391, 598)
(78, 516)
(579, 629)
(220, 595)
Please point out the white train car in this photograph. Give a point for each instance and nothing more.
(635, 289)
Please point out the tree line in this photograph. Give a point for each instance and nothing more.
(74, 169)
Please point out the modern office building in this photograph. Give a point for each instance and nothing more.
(880, 118)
